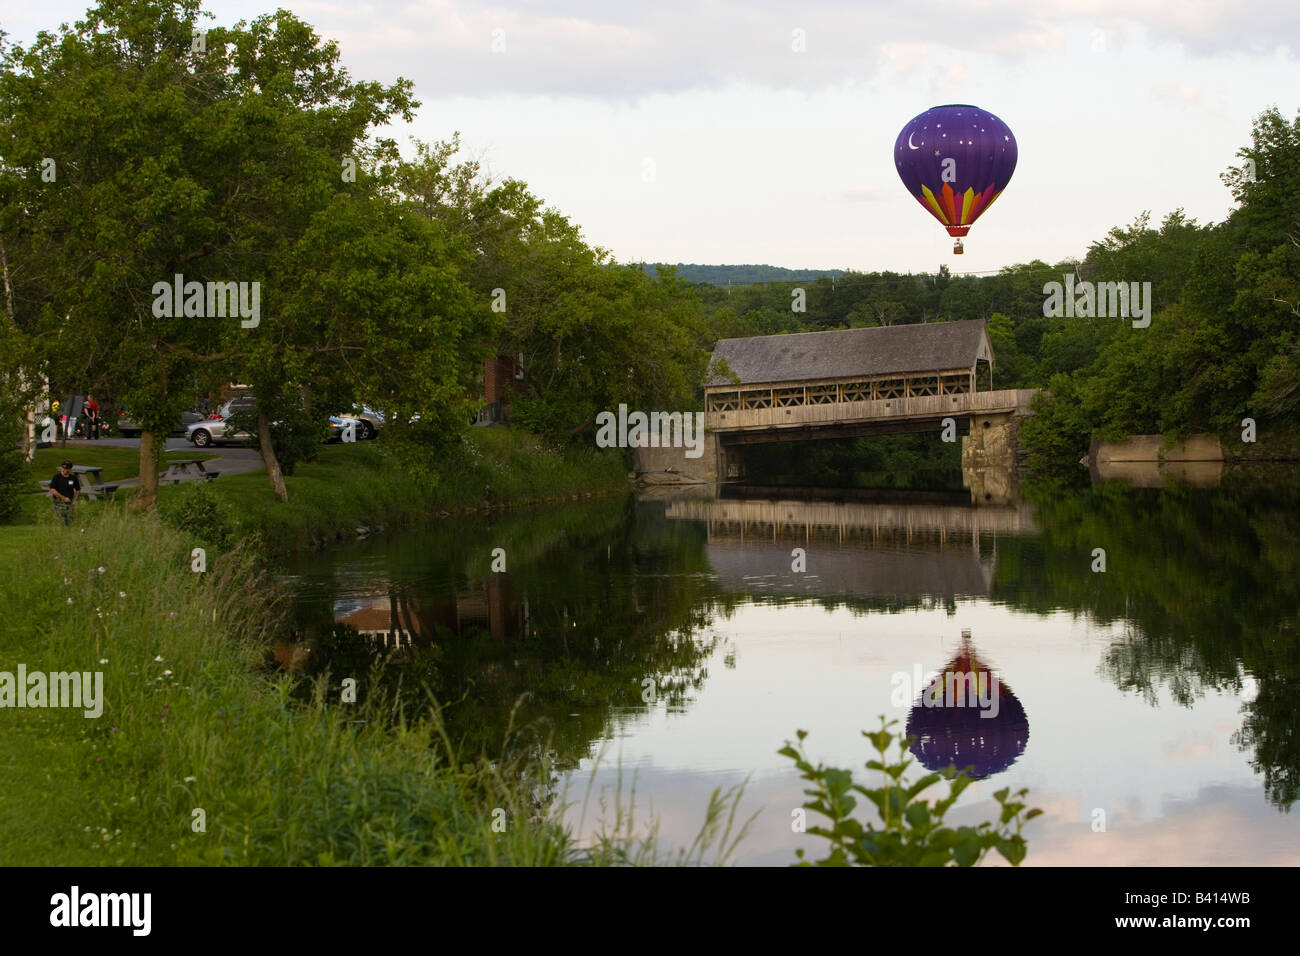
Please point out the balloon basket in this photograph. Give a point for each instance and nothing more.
(958, 248)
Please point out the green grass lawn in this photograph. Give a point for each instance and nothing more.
(360, 484)
(191, 720)
(118, 463)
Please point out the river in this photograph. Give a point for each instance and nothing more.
(674, 646)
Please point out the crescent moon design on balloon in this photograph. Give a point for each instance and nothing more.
(969, 168)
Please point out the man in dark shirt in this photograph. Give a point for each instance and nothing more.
(65, 488)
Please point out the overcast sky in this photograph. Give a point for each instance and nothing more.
(694, 132)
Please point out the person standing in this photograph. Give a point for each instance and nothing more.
(92, 418)
(65, 489)
(73, 408)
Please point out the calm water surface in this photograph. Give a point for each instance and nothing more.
(1151, 709)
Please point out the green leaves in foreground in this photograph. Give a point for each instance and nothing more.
(913, 833)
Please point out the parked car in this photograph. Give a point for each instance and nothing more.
(129, 428)
(338, 426)
(217, 431)
(368, 421)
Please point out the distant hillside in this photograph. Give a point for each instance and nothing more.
(746, 274)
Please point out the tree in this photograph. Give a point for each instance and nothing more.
(215, 159)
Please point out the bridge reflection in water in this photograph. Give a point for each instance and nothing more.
(893, 550)
(854, 548)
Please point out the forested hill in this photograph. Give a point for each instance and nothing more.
(744, 274)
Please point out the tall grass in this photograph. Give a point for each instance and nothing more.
(205, 756)
(192, 721)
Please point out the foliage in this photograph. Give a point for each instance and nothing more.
(194, 720)
(296, 434)
(741, 274)
(913, 461)
(13, 478)
(913, 833)
(199, 511)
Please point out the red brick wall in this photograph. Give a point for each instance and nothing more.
(498, 380)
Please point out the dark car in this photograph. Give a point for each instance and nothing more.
(128, 428)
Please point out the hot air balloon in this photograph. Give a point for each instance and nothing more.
(955, 160)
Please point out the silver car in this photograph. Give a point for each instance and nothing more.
(216, 431)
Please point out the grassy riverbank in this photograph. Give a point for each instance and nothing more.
(202, 755)
(192, 721)
(361, 484)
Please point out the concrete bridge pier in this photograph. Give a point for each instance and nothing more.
(991, 458)
(729, 460)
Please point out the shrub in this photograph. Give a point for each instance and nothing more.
(296, 436)
(198, 511)
(913, 833)
(12, 478)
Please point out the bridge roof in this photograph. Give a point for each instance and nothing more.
(853, 353)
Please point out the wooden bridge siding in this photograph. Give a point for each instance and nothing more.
(953, 519)
(805, 386)
(927, 406)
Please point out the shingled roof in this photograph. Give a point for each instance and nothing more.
(853, 353)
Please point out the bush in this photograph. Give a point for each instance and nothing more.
(12, 479)
(198, 511)
(295, 436)
(913, 833)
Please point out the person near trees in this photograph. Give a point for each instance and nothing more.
(65, 489)
(91, 409)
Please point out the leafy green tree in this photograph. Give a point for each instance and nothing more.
(112, 199)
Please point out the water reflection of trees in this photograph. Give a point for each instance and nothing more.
(599, 598)
(1209, 583)
(541, 659)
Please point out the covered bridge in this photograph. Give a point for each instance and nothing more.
(851, 365)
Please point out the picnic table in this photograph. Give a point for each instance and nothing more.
(94, 486)
(186, 469)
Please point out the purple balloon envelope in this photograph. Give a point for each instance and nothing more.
(955, 160)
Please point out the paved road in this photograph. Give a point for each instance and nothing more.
(233, 460)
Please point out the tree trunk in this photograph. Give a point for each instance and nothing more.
(146, 495)
(268, 456)
(29, 437)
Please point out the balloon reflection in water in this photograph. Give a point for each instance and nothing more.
(951, 726)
